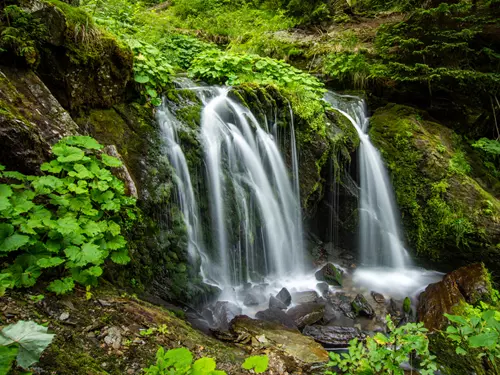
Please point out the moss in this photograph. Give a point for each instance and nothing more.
(441, 203)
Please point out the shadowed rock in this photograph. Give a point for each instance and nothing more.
(277, 316)
(306, 314)
(332, 336)
(284, 296)
(330, 274)
(276, 303)
(361, 307)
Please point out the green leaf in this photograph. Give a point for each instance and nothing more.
(111, 161)
(460, 351)
(113, 228)
(5, 191)
(31, 338)
(88, 253)
(179, 358)
(53, 167)
(203, 366)
(81, 172)
(115, 243)
(68, 224)
(50, 262)
(83, 141)
(152, 93)
(14, 242)
(120, 257)
(7, 356)
(456, 319)
(488, 339)
(95, 271)
(67, 154)
(61, 286)
(258, 363)
(141, 79)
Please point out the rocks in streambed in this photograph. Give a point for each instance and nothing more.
(377, 297)
(323, 288)
(284, 296)
(305, 297)
(223, 313)
(296, 351)
(276, 316)
(275, 303)
(342, 303)
(329, 274)
(332, 336)
(361, 307)
(306, 314)
(469, 284)
(254, 299)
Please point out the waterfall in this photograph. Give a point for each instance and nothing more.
(380, 238)
(253, 217)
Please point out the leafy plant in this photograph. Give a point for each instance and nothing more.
(24, 341)
(490, 150)
(383, 354)
(180, 362)
(480, 332)
(65, 222)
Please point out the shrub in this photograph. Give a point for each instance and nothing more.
(68, 220)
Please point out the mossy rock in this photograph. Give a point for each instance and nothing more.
(451, 213)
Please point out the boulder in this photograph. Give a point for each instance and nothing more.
(276, 303)
(223, 313)
(277, 316)
(323, 288)
(469, 284)
(377, 297)
(298, 353)
(330, 274)
(306, 314)
(254, 299)
(332, 336)
(361, 307)
(284, 296)
(305, 297)
(342, 303)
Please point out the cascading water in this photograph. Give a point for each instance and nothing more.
(255, 220)
(379, 230)
(385, 264)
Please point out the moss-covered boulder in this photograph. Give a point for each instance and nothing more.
(448, 200)
(31, 120)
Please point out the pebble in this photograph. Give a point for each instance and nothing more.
(64, 316)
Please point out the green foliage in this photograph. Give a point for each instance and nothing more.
(479, 330)
(20, 33)
(24, 341)
(383, 354)
(180, 362)
(458, 163)
(232, 69)
(258, 363)
(490, 151)
(348, 67)
(65, 222)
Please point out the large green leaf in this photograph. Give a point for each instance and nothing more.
(31, 338)
(61, 286)
(258, 363)
(83, 141)
(110, 161)
(7, 356)
(488, 339)
(14, 242)
(67, 154)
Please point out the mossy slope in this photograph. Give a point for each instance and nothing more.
(448, 201)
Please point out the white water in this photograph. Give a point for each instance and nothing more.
(255, 218)
(380, 238)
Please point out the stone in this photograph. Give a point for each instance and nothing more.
(306, 314)
(361, 307)
(323, 288)
(299, 352)
(277, 316)
(276, 303)
(330, 274)
(223, 313)
(377, 297)
(342, 303)
(284, 296)
(254, 297)
(332, 336)
(305, 297)
(113, 337)
(469, 284)
(64, 316)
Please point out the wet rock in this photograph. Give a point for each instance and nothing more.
(342, 303)
(276, 303)
(307, 314)
(277, 316)
(223, 313)
(253, 299)
(379, 298)
(323, 288)
(64, 316)
(332, 336)
(284, 296)
(305, 297)
(295, 350)
(468, 284)
(361, 307)
(330, 274)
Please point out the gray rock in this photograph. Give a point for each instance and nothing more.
(284, 296)
(306, 314)
(64, 316)
(342, 303)
(223, 313)
(323, 288)
(330, 274)
(305, 297)
(379, 298)
(276, 316)
(253, 299)
(332, 336)
(361, 307)
(113, 337)
(276, 303)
